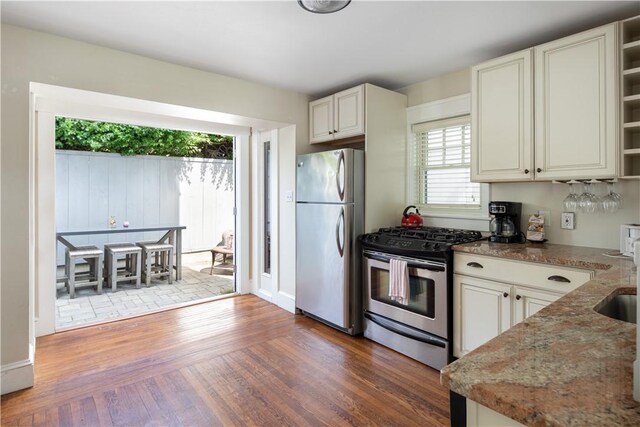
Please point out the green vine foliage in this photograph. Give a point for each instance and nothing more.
(127, 140)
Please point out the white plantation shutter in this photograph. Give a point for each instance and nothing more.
(441, 164)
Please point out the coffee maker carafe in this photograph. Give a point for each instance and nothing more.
(505, 222)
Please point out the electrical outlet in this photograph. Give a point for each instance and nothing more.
(568, 220)
(547, 217)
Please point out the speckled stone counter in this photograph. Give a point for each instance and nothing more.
(566, 365)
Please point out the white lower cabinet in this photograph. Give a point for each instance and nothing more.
(481, 416)
(492, 294)
(483, 311)
(529, 301)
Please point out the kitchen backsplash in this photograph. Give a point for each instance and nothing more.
(596, 230)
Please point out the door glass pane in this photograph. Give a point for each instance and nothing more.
(267, 208)
(421, 292)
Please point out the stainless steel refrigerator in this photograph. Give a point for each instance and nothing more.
(329, 218)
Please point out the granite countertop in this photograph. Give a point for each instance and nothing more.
(566, 365)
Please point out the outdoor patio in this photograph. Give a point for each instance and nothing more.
(89, 308)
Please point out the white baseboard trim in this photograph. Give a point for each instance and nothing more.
(17, 375)
(43, 329)
(287, 302)
(246, 289)
(265, 295)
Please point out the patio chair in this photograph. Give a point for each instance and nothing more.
(225, 248)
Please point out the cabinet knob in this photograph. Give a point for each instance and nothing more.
(506, 294)
(526, 171)
(518, 297)
(539, 170)
(335, 131)
(330, 133)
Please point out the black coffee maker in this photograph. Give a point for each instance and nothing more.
(505, 222)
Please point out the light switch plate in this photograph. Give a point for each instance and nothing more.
(568, 221)
(288, 196)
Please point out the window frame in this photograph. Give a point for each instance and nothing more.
(448, 108)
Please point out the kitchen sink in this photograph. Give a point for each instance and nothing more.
(621, 307)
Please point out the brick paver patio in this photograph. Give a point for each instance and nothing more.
(89, 308)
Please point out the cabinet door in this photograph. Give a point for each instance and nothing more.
(502, 119)
(528, 302)
(321, 120)
(576, 106)
(349, 112)
(481, 311)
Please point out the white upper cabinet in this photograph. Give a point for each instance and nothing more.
(576, 96)
(337, 116)
(349, 112)
(321, 119)
(630, 92)
(502, 119)
(548, 113)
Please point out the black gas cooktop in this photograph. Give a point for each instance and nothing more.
(423, 242)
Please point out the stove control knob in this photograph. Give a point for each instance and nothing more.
(425, 245)
(436, 245)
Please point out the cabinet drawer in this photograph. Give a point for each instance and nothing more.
(541, 276)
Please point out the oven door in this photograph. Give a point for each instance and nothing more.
(427, 309)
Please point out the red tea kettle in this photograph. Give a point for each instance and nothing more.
(411, 220)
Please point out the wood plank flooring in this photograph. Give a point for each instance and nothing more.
(238, 361)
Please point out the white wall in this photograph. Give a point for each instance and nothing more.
(146, 191)
(441, 87)
(287, 219)
(595, 230)
(39, 57)
(385, 157)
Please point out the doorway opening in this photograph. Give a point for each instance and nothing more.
(113, 182)
(48, 102)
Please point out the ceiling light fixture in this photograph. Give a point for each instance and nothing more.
(323, 6)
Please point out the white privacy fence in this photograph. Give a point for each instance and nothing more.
(146, 191)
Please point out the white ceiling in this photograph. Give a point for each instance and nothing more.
(388, 43)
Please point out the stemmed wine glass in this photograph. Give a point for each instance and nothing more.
(570, 202)
(612, 201)
(588, 202)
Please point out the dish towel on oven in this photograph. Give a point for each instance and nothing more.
(399, 281)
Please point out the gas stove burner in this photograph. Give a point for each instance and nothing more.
(431, 242)
(447, 235)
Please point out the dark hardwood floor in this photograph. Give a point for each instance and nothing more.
(237, 361)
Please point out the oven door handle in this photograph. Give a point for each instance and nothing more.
(405, 331)
(410, 264)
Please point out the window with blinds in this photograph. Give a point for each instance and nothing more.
(441, 164)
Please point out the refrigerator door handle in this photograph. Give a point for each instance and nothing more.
(339, 168)
(340, 222)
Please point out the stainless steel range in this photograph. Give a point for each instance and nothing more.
(421, 326)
